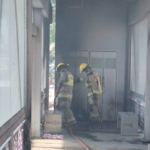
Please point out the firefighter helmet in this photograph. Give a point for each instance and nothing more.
(60, 65)
(82, 67)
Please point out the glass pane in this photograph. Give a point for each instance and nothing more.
(140, 37)
(138, 57)
(5, 58)
(12, 45)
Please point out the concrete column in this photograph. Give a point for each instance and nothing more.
(27, 126)
(36, 84)
(147, 93)
(29, 57)
(45, 52)
(47, 63)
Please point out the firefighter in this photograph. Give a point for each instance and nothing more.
(65, 84)
(92, 83)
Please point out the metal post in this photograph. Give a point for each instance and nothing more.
(147, 93)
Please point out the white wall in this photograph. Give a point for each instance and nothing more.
(12, 58)
(138, 11)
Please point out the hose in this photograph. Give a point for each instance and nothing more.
(70, 131)
(78, 140)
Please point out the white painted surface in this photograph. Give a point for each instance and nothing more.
(44, 4)
(138, 10)
(36, 84)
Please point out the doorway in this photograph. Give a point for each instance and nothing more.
(105, 64)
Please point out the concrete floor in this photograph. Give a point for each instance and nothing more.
(68, 143)
(103, 137)
(95, 141)
(111, 141)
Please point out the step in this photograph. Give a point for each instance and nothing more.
(44, 144)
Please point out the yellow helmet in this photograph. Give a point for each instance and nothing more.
(83, 66)
(61, 64)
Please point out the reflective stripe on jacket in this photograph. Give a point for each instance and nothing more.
(66, 83)
(92, 82)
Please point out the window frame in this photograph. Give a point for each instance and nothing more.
(133, 93)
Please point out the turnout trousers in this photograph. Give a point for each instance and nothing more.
(67, 115)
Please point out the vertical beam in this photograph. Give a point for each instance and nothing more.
(45, 51)
(27, 145)
(46, 26)
(128, 68)
(47, 70)
(48, 22)
(36, 101)
(29, 54)
(42, 66)
(147, 94)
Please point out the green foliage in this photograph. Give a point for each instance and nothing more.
(52, 42)
(51, 73)
(53, 25)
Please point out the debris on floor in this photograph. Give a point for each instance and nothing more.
(50, 136)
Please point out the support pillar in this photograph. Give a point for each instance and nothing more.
(27, 125)
(36, 84)
(147, 93)
(46, 26)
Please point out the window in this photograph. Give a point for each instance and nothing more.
(139, 37)
(12, 58)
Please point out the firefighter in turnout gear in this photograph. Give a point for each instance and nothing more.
(92, 83)
(65, 83)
